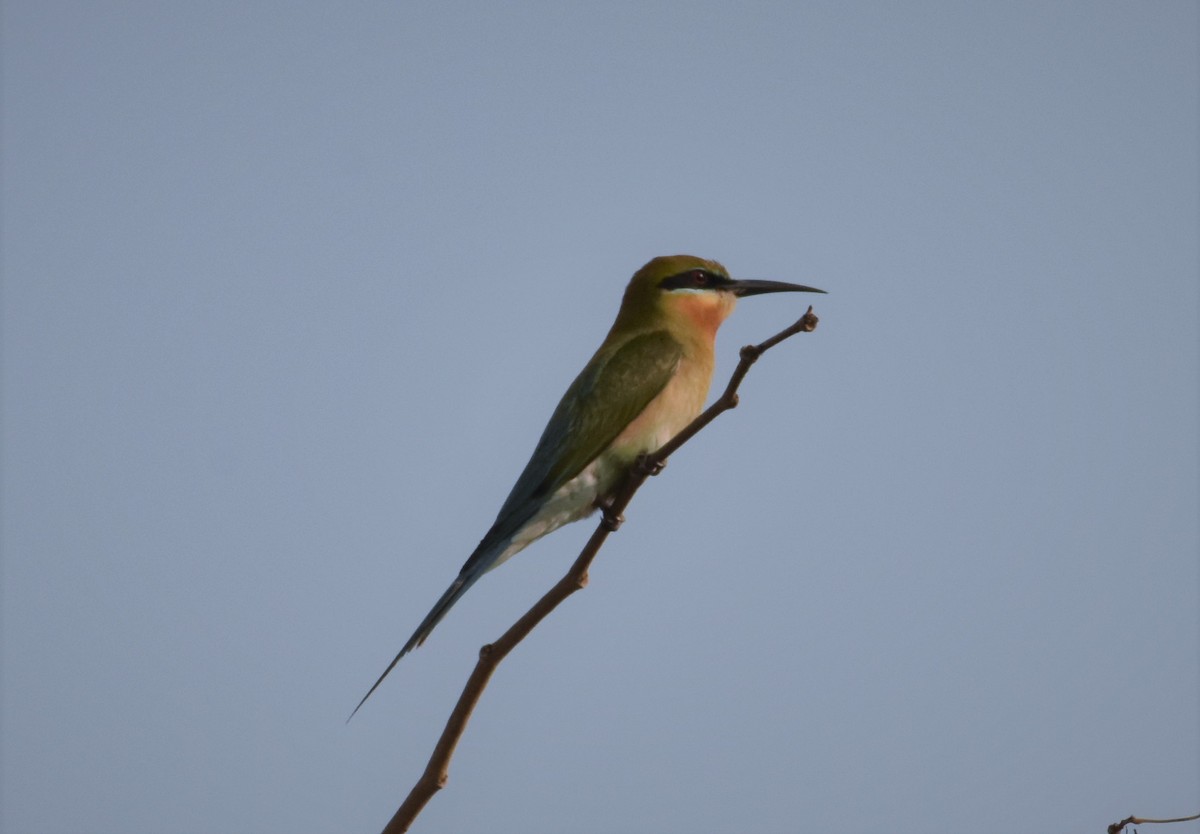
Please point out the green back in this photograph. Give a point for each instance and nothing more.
(605, 398)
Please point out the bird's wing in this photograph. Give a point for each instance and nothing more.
(605, 398)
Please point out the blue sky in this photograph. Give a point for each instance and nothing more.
(290, 290)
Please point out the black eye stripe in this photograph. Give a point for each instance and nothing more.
(694, 279)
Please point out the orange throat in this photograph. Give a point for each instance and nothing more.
(704, 311)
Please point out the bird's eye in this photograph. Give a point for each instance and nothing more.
(699, 278)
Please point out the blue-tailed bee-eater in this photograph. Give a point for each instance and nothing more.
(647, 381)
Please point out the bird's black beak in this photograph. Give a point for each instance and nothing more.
(752, 287)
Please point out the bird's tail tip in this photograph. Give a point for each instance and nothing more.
(407, 648)
(456, 590)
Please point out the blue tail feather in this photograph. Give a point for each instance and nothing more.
(476, 566)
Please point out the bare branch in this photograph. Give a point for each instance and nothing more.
(1117, 827)
(437, 771)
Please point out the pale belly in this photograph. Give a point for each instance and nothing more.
(665, 416)
(574, 500)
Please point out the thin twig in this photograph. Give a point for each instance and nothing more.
(437, 771)
(1116, 827)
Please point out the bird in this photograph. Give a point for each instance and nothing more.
(648, 379)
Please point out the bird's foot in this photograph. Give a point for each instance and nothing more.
(648, 466)
(610, 520)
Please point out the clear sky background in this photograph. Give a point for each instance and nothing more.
(290, 290)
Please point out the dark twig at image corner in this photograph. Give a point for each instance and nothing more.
(1118, 827)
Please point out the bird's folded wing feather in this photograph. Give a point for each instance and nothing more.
(605, 398)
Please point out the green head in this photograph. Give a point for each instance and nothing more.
(689, 294)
